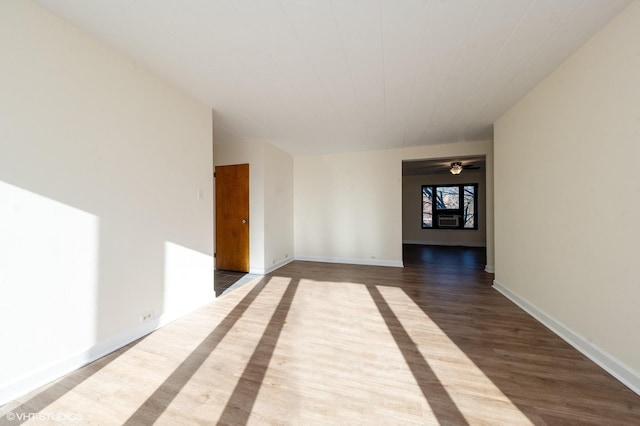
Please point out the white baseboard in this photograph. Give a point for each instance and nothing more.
(489, 268)
(54, 371)
(349, 261)
(625, 374)
(443, 243)
(279, 265)
(271, 268)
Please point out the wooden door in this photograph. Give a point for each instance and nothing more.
(232, 217)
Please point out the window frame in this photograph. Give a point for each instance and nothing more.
(436, 212)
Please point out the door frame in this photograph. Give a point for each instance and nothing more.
(246, 217)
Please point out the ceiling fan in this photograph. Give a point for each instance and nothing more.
(457, 167)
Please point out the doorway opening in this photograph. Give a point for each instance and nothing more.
(232, 218)
(444, 214)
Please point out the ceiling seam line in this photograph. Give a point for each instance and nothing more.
(444, 88)
(308, 57)
(415, 77)
(346, 60)
(384, 75)
(528, 60)
(486, 71)
(271, 58)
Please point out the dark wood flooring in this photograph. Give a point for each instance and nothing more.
(225, 281)
(318, 343)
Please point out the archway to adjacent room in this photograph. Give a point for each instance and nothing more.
(448, 217)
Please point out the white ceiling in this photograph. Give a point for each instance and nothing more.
(320, 76)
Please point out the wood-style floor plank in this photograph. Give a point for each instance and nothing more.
(313, 343)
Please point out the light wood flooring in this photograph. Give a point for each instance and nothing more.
(326, 344)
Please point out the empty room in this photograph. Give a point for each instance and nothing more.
(320, 212)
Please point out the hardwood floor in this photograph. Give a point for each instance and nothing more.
(225, 281)
(316, 343)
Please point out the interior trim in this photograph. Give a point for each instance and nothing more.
(43, 376)
(350, 261)
(625, 374)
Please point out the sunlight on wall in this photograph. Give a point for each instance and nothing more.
(48, 280)
(188, 279)
(442, 353)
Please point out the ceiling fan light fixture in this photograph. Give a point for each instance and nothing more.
(456, 168)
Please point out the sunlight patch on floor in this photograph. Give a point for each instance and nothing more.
(465, 382)
(319, 358)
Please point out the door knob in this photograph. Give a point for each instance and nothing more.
(244, 220)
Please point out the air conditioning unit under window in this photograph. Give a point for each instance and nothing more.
(448, 221)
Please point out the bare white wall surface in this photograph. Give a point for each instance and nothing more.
(105, 196)
(567, 198)
(278, 212)
(348, 206)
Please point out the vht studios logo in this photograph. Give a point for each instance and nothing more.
(55, 417)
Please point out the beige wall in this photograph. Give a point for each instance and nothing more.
(567, 196)
(100, 167)
(348, 206)
(412, 231)
(278, 209)
(270, 198)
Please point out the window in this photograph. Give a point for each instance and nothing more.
(450, 206)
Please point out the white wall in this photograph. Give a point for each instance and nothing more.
(567, 198)
(412, 232)
(100, 164)
(278, 208)
(270, 198)
(348, 206)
